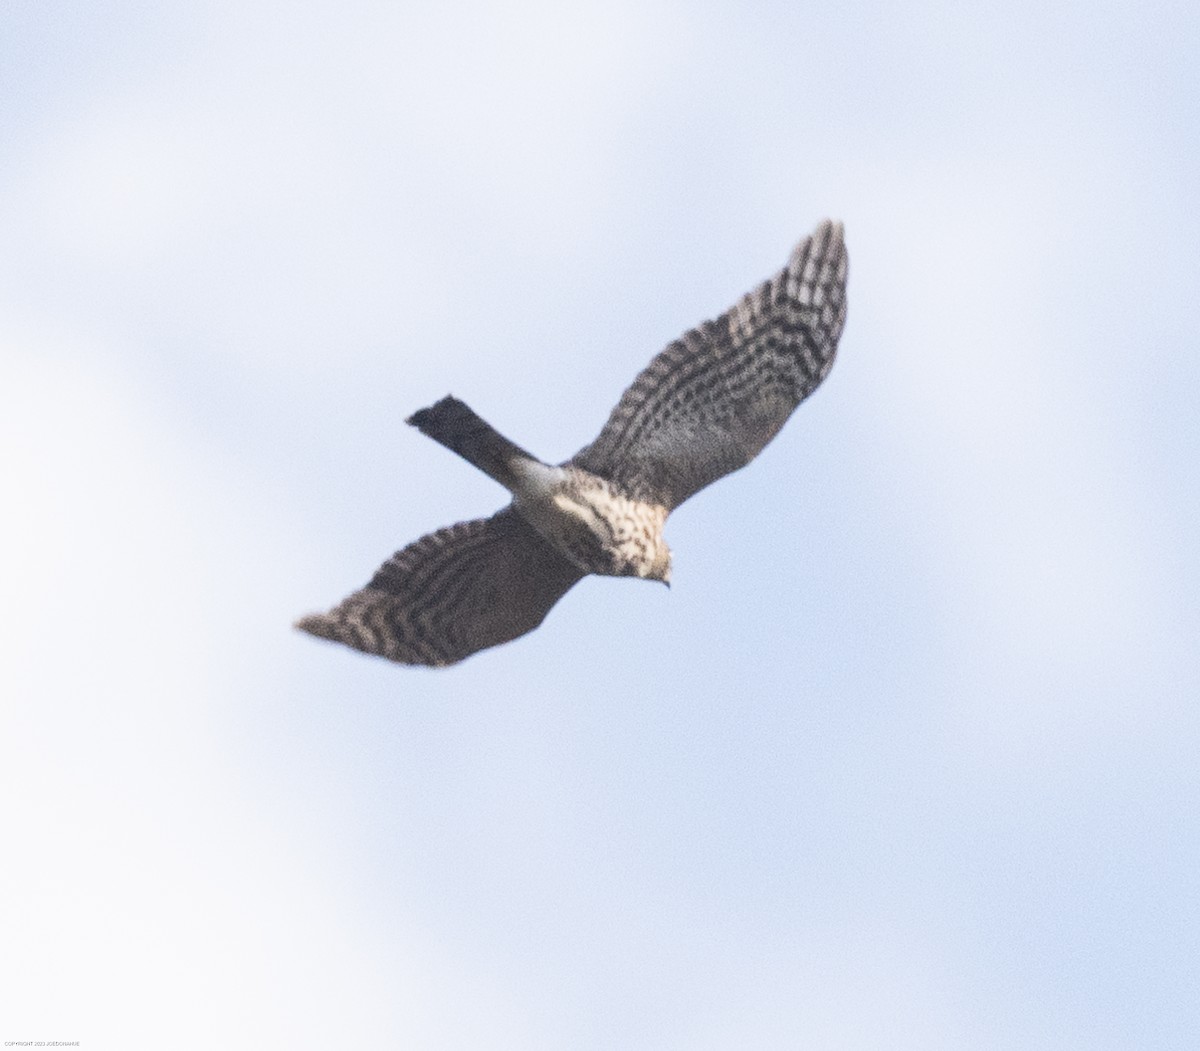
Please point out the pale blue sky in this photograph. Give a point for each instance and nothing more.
(906, 758)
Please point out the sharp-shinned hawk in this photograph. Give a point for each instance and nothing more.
(703, 407)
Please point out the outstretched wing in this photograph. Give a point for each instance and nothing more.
(452, 593)
(709, 403)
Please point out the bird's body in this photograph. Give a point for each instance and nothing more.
(597, 525)
(599, 528)
(703, 407)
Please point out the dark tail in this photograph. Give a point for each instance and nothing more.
(460, 430)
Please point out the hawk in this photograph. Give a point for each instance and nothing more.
(702, 408)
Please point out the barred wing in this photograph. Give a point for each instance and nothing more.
(452, 593)
(709, 403)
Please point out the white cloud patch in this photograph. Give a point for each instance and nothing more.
(1040, 534)
(151, 893)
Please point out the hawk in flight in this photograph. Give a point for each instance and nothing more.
(703, 407)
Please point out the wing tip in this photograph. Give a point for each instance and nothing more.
(827, 239)
(328, 627)
(821, 258)
(318, 624)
